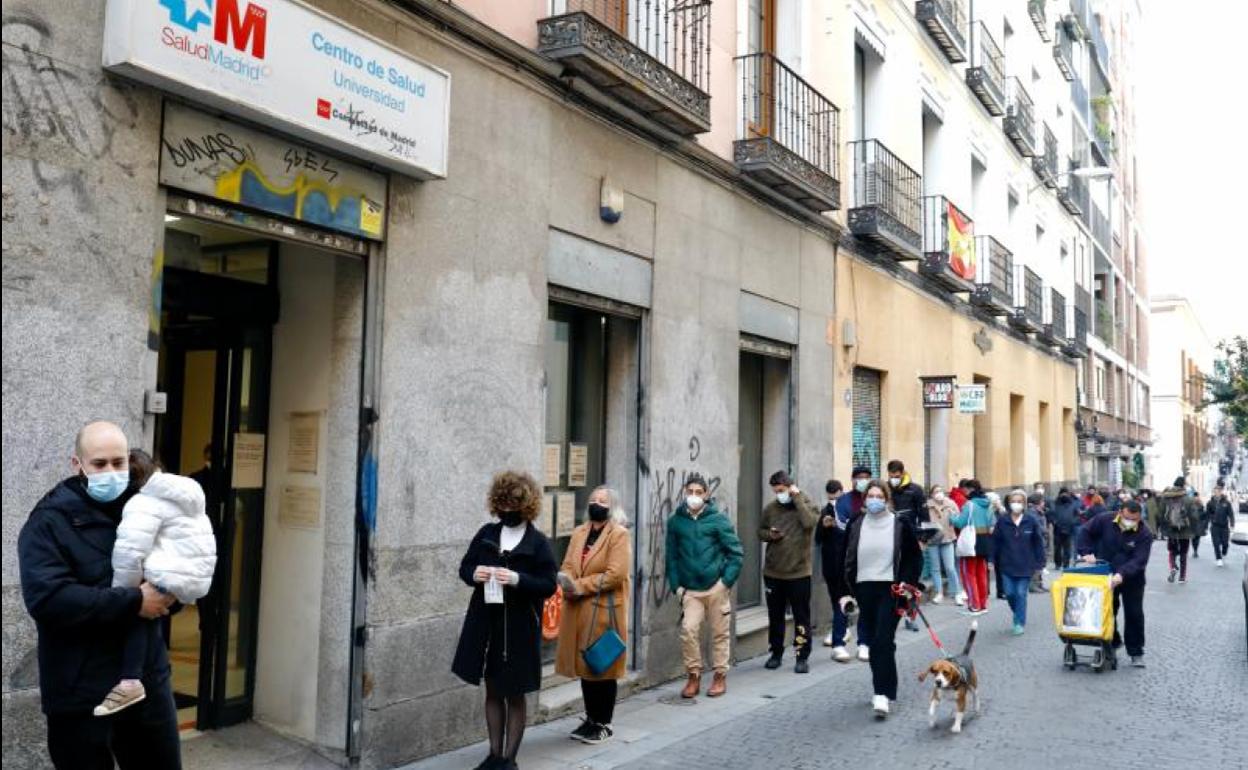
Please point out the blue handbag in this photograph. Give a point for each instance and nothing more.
(608, 647)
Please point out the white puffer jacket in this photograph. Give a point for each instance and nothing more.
(166, 538)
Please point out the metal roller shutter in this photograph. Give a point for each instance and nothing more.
(866, 416)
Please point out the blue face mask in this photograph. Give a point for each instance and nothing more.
(107, 486)
(874, 505)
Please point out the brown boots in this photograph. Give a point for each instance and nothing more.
(692, 687)
(719, 685)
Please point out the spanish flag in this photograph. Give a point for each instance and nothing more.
(961, 244)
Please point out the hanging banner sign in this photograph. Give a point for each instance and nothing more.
(223, 160)
(961, 244)
(938, 392)
(973, 399)
(284, 64)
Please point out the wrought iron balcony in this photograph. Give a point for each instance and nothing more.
(946, 21)
(986, 73)
(885, 208)
(1039, 17)
(1100, 49)
(789, 133)
(1104, 322)
(1054, 331)
(1079, 95)
(1064, 51)
(948, 245)
(1074, 195)
(994, 279)
(1045, 161)
(1077, 345)
(1020, 120)
(1100, 229)
(1028, 313)
(654, 56)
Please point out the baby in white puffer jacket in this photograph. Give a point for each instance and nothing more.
(165, 538)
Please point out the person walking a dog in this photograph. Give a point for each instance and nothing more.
(882, 552)
(1125, 542)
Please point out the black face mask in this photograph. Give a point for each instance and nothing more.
(511, 518)
(598, 512)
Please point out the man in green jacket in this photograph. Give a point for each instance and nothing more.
(703, 561)
(787, 527)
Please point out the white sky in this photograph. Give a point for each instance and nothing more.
(1192, 125)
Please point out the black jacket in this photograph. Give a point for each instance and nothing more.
(1220, 513)
(65, 553)
(504, 641)
(907, 556)
(910, 504)
(1126, 551)
(831, 542)
(1065, 514)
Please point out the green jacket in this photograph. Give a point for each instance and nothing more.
(1191, 511)
(788, 557)
(702, 550)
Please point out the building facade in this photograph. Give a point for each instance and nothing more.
(346, 259)
(1183, 355)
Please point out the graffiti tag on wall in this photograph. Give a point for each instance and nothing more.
(666, 493)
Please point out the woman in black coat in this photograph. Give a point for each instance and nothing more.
(502, 642)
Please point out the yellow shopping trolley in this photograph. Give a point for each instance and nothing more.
(1083, 611)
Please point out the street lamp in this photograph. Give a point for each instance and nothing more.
(1085, 172)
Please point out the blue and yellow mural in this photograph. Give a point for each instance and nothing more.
(308, 200)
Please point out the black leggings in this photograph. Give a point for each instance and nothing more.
(599, 699)
(878, 610)
(505, 714)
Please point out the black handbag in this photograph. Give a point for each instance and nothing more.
(608, 647)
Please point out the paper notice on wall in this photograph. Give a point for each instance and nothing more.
(578, 464)
(300, 507)
(545, 521)
(552, 465)
(565, 514)
(304, 443)
(248, 461)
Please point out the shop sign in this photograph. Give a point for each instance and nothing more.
(284, 64)
(973, 399)
(961, 243)
(218, 159)
(938, 392)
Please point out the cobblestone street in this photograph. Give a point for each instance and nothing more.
(1187, 708)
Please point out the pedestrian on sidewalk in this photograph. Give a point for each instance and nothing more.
(80, 616)
(165, 539)
(939, 553)
(1181, 518)
(787, 527)
(1018, 553)
(998, 510)
(511, 568)
(830, 538)
(1126, 543)
(595, 582)
(1064, 518)
(1202, 523)
(979, 514)
(1036, 507)
(882, 551)
(1221, 516)
(848, 508)
(703, 561)
(959, 494)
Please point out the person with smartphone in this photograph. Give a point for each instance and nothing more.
(787, 527)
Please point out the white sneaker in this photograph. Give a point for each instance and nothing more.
(1220, 564)
(961, 600)
(827, 640)
(841, 655)
(864, 652)
(938, 598)
(879, 704)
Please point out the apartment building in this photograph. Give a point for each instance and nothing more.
(359, 255)
(1182, 354)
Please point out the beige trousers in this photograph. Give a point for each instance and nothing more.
(714, 603)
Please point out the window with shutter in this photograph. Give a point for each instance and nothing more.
(866, 419)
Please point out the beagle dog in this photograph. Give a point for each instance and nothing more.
(956, 674)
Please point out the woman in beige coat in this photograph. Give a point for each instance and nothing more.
(595, 575)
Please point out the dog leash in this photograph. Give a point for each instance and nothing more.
(910, 597)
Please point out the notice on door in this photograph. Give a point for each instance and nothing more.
(304, 444)
(578, 464)
(248, 461)
(565, 514)
(300, 507)
(546, 518)
(973, 399)
(552, 465)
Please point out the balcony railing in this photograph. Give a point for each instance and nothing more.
(1055, 330)
(1104, 327)
(1078, 345)
(1064, 51)
(1100, 228)
(1020, 121)
(885, 208)
(652, 55)
(1100, 49)
(1028, 301)
(986, 74)
(994, 280)
(1079, 95)
(948, 244)
(946, 21)
(1074, 196)
(1045, 161)
(1083, 302)
(789, 133)
(1039, 17)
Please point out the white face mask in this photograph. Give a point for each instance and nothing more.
(894, 481)
(694, 502)
(1129, 525)
(938, 496)
(861, 484)
(1016, 507)
(784, 498)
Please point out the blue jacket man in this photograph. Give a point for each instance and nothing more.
(1124, 541)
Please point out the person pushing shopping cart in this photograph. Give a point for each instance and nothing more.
(1123, 542)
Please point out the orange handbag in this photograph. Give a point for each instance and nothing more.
(552, 612)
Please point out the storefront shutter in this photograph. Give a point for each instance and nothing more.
(866, 416)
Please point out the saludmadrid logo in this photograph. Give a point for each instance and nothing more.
(233, 25)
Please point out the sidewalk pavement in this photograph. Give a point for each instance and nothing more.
(658, 718)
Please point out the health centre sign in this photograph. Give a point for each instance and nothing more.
(289, 66)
